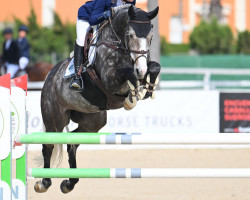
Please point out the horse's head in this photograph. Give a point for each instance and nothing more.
(133, 26)
(138, 38)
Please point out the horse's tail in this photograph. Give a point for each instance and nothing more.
(57, 155)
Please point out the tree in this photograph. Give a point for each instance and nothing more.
(211, 38)
(243, 43)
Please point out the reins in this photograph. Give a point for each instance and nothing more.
(123, 47)
(113, 101)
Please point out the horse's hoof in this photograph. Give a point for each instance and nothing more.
(128, 105)
(64, 188)
(39, 187)
(153, 96)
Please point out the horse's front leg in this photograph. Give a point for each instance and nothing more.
(151, 80)
(68, 185)
(133, 95)
(44, 184)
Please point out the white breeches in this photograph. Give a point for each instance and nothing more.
(23, 62)
(82, 27)
(12, 69)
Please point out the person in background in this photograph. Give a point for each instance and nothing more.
(10, 53)
(90, 14)
(24, 47)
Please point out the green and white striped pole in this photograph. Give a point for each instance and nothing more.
(140, 173)
(108, 138)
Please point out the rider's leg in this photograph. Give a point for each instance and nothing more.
(12, 69)
(23, 62)
(82, 27)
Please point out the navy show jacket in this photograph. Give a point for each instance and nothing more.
(24, 47)
(93, 11)
(11, 55)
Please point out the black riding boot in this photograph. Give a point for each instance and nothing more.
(76, 83)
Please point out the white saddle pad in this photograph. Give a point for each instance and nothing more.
(70, 70)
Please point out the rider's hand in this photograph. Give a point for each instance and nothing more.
(107, 14)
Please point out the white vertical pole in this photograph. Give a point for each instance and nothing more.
(155, 46)
(192, 13)
(240, 15)
(48, 7)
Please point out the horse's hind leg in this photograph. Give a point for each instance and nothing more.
(55, 119)
(86, 123)
(68, 185)
(44, 184)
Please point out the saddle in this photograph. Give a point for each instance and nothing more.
(87, 44)
(94, 90)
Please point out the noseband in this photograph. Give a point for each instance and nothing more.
(142, 52)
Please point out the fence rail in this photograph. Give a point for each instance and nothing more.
(206, 83)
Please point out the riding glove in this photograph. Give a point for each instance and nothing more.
(107, 14)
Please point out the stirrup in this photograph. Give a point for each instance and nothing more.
(76, 87)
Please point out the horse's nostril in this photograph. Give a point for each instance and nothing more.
(139, 74)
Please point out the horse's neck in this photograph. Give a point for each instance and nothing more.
(108, 35)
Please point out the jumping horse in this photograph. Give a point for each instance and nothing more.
(121, 75)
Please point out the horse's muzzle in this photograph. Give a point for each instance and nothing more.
(140, 68)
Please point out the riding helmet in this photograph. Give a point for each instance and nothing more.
(7, 30)
(23, 28)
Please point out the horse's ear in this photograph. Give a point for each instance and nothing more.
(131, 12)
(154, 13)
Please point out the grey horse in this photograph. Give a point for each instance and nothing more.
(121, 75)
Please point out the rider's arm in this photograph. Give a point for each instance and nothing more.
(98, 14)
(131, 1)
(25, 45)
(4, 53)
(16, 52)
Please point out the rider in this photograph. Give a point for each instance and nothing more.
(90, 14)
(24, 47)
(10, 53)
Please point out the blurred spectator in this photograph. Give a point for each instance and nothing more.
(10, 53)
(24, 47)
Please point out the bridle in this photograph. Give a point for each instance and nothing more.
(142, 52)
(113, 101)
(125, 47)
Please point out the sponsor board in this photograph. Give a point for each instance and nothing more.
(235, 113)
(170, 112)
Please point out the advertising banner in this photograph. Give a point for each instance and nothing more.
(235, 113)
(5, 138)
(170, 112)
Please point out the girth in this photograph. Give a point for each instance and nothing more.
(113, 101)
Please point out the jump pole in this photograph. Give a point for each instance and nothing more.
(109, 138)
(140, 173)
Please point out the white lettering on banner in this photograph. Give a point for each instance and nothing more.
(4, 123)
(4, 191)
(149, 121)
(35, 122)
(170, 112)
(18, 117)
(18, 190)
